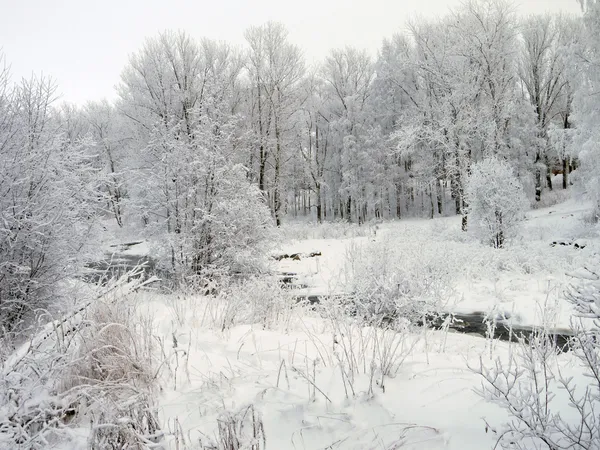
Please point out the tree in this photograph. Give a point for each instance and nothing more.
(181, 98)
(543, 72)
(462, 102)
(348, 74)
(397, 100)
(107, 130)
(587, 104)
(47, 200)
(314, 148)
(439, 136)
(496, 199)
(276, 68)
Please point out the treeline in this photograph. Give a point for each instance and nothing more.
(355, 137)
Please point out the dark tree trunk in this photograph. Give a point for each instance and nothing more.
(538, 184)
(440, 194)
(349, 209)
(399, 201)
(432, 210)
(456, 195)
(499, 238)
(548, 173)
(319, 203)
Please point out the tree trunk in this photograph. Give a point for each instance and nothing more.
(500, 234)
(440, 196)
(319, 201)
(548, 173)
(276, 187)
(455, 189)
(463, 209)
(262, 151)
(432, 212)
(565, 180)
(538, 183)
(349, 209)
(399, 201)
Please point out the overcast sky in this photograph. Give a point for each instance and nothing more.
(84, 44)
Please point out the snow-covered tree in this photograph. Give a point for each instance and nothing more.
(496, 199)
(47, 200)
(315, 145)
(587, 103)
(543, 72)
(181, 99)
(107, 130)
(275, 68)
(348, 74)
(462, 102)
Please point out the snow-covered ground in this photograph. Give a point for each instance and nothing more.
(526, 280)
(294, 365)
(316, 379)
(292, 374)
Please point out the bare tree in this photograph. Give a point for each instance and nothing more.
(110, 138)
(349, 73)
(47, 200)
(276, 68)
(544, 73)
(181, 96)
(315, 147)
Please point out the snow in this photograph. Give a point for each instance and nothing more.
(114, 238)
(293, 365)
(526, 280)
(325, 274)
(430, 402)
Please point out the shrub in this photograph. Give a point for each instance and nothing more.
(402, 283)
(47, 201)
(496, 201)
(91, 369)
(552, 405)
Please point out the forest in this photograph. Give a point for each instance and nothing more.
(238, 221)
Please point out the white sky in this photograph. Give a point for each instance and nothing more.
(84, 44)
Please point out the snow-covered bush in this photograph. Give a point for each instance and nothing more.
(388, 284)
(113, 374)
(213, 220)
(256, 300)
(89, 375)
(47, 201)
(496, 201)
(259, 300)
(553, 403)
